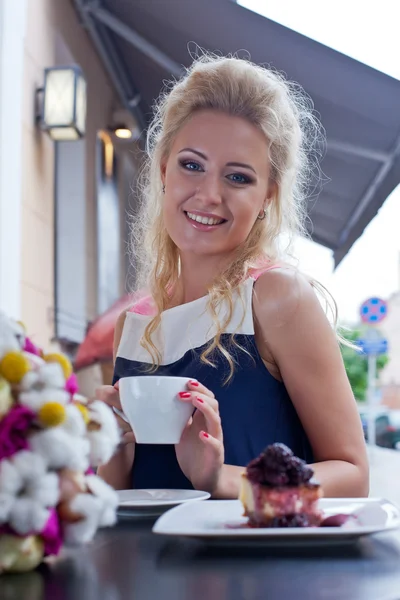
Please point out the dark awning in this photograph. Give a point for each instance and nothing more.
(144, 42)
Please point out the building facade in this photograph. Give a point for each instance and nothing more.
(63, 205)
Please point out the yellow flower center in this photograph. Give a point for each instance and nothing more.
(62, 360)
(84, 412)
(52, 414)
(13, 366)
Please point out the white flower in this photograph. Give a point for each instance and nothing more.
(11, 480)
(104, 441)
(30, 466)
(12, 335)
(98, 509)
(91, 508)
(104, 416)
(60, 449)
(27, 490)
(27, 516)
(74, 423)
(49, 375)
(35, 399)
(6, 502)
(45, 490)
(101, 448)
(45, 384)
(109, 499)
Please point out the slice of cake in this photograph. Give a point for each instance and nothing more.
(278, 490)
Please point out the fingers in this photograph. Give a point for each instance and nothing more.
(196, 386)
(209, 408)
(211, 416)
(128, 438)
(109, 395)
(126, 431)
(191, 397)
(211, 441)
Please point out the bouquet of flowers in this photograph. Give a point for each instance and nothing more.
(50, 439)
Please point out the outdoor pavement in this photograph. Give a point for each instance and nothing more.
(384, 473)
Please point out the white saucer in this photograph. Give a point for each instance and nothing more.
(134, 503)
(222, 523)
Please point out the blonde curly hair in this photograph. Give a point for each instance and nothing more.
(284, 113)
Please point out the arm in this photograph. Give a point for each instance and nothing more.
(293, 331)
(299, 346)
(118, 470)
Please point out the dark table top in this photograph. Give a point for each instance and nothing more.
(129, 562)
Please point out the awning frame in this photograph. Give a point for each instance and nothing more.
(99, 22)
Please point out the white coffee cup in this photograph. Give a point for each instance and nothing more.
(152, 408)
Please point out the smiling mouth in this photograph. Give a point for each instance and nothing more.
(204, 220)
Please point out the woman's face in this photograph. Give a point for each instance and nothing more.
(216, 183)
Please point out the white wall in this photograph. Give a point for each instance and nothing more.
(12, 34)
(70, 241)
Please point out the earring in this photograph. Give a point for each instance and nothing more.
(163, 189)
(262, 217)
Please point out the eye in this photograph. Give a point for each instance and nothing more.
(239, 178)
(191, 165)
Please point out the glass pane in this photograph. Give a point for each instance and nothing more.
(60, 134)
(59, 97)
(108, 228)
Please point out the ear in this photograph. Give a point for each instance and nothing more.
(272, 192)
(163, 171)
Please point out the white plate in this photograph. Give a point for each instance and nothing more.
(222, 522)
(155, 502)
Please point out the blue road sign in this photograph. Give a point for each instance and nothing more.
(373, 310)
(368, 347)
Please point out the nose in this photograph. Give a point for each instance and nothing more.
(209, 191)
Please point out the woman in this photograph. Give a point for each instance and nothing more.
(229, 156)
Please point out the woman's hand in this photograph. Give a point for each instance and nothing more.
(109, 394)
(200, 452)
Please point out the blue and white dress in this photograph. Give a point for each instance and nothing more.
(255, 408)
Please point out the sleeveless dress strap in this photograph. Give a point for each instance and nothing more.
(145, 306)
(256, 273)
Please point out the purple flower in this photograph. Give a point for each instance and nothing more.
(31, 348)
(14, 427)
(52, 535)
(71, 385)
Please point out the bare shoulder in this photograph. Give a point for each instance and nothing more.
(280, 294)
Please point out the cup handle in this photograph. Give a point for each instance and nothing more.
(120, 414)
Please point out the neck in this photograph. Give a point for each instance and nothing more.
(196, 276)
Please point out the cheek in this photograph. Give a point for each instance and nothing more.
(168, 215)
(245, 212)
(173, 219)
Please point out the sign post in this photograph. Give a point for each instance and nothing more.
(372, 312)
(371, 398)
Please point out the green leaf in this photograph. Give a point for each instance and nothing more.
(356, 364)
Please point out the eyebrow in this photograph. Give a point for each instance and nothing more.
(229, 164)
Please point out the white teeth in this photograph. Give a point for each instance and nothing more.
(204, 220)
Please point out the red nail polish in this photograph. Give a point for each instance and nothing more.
(184, 394)
(194, 383)
(200, 400)
(205, 434)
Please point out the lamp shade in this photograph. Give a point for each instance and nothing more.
(64, 103)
